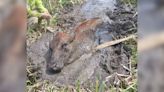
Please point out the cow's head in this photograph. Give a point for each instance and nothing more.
(66, 48)
(60, 49)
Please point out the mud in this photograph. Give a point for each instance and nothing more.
(89, 65)
(85, 67)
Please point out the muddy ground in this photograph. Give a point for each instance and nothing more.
(118, 20)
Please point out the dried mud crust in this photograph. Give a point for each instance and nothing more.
(89, 66)
(124, 20)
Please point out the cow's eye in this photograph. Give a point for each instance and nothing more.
(64, 45)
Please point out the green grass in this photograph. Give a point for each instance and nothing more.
(56, 6)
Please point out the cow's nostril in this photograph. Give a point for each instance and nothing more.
(52, 71)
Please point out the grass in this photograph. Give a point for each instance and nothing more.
(56, 6)
(127, 84)
(130, 2)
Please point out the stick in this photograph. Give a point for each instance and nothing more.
(107, 44)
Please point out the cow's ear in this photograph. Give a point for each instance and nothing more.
(88, 25)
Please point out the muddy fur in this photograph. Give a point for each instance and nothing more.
(66, 48)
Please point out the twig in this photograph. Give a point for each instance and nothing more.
(111, 43)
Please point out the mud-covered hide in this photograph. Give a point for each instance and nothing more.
(81, 63)
(66, 48)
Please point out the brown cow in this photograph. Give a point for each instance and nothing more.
(66, 48)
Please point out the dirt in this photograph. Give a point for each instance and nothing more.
(89, 66)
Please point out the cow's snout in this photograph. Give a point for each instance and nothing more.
(54, 66)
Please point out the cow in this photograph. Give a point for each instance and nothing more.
(66, 48)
